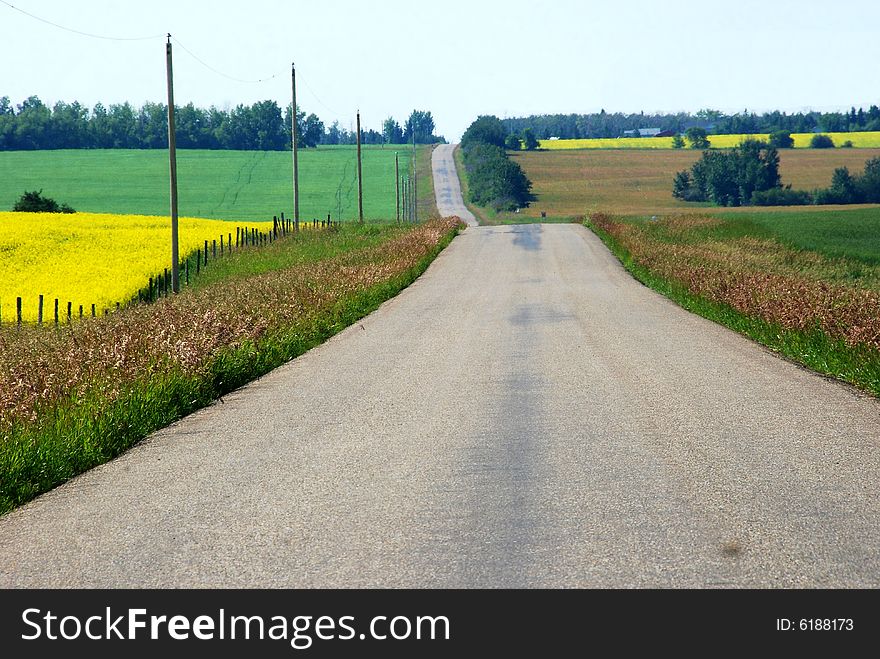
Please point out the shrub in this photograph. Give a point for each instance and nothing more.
(512, 143)
(782, 197)
(781, 139)
(35, 202)
(821, 142)
(677, 142)
(847, 145)
(495, 180)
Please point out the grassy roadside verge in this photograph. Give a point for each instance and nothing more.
(74, 398)
(773, 298)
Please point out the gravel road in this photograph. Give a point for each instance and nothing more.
(524, 415)
(447, 188)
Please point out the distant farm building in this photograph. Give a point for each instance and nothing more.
(649, 132)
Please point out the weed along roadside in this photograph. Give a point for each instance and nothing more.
(75, 396)
(820, 311)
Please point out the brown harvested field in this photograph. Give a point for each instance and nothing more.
(639, 182)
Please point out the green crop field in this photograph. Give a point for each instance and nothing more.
(229, 185)
(851, 234)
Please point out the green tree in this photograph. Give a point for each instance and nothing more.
(512, 143)
(392, 132)
(677, 142)
(488, 129)
(529, 139)
(421, 125)
(781, 139)
(821, 142)
(697, 137)
(730, 178)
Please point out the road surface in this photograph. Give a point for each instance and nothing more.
(447, 188)
(525, 415)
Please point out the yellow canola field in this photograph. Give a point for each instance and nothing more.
(90, 258)
(864, 140)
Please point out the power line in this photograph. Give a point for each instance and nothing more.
(211, 68)
(80, 32)
(315, 96)
(105, 37)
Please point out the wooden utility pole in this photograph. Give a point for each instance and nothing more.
(397, 182)
(294, 132)
(172, 157)
(415, 187)
(360, 173)
(403, 197)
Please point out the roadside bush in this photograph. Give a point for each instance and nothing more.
(821, 142)
(494, 180)
(512, 143)
(35, 202)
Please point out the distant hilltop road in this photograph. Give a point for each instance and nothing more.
(447, 188)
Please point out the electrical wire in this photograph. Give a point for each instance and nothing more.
(217, 71)
(105, 37)
(315, 96)
(80, 32)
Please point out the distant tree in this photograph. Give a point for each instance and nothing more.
(35, 202)
(529, 140)
(730, 178)
(152, 126)
(697, 137)
(781, 139)
(421, 125)
(312, 131)
(488, 129)
(709, 116)
(844, 189)
(333, 134)
(392, 132)
(512, 143)
(677, 142)
(869, 183)
(848, 144)
(821, 142)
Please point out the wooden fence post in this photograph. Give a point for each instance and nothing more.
(40, 312)
(18, 311)
(69, 312)
(56, 312)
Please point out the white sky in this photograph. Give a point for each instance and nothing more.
(458, 59)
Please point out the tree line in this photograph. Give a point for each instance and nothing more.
(262, 126)
(749, 175)
(611, 125)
